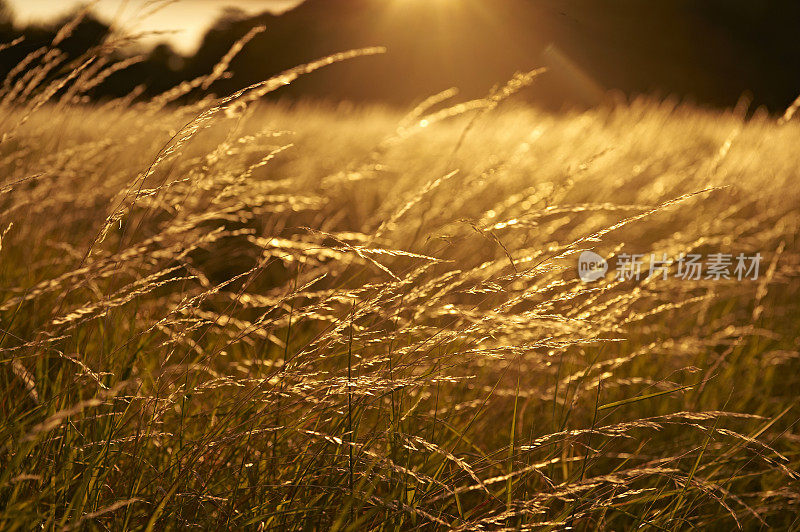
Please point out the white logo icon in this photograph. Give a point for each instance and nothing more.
(591, 266)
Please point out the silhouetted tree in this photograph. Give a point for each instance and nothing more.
(711, 51)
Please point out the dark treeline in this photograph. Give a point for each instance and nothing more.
(710, 51)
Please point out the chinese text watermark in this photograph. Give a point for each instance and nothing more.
(688, 267)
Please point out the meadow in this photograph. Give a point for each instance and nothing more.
(233, 314)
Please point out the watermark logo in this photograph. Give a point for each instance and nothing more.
(687, 267)
(591, 266)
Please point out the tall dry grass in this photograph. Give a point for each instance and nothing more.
(246, 316)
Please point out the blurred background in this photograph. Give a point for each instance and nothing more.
(708, 52)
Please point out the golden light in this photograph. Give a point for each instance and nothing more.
(447, 14)
(439, 5)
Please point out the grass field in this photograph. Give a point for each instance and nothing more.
(235, 315)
